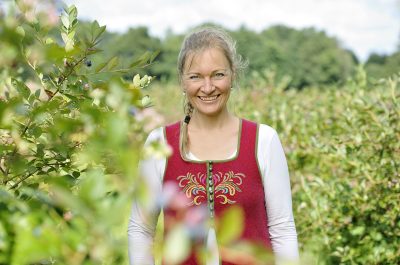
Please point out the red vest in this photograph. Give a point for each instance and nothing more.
(216, 185)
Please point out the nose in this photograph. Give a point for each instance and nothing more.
(208, 86)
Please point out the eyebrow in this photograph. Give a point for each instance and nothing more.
(191, 73)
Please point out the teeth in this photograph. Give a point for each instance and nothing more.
(208, 98)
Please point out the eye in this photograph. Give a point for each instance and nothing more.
(193, 77)
(219, 75)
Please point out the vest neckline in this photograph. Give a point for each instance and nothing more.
(219, 160)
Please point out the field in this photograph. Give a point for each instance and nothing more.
(343, 149)
(72, 133)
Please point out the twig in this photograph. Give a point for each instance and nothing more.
(2, 170)
(23, 179)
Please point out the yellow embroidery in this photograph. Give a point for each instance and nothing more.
(193, 185)
(226, 186)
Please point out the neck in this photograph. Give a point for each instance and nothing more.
(200, 121)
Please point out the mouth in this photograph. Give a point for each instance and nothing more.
(209, 98)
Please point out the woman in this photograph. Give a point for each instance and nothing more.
(218, 160)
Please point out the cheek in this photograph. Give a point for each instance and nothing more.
(190, 93)
(226, 85)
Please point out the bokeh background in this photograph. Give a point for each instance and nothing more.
(77, 101)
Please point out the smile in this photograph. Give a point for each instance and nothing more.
(208, 98)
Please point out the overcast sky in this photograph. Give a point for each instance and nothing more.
(364, 26)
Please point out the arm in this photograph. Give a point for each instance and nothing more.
(144, 215)
(274, 170)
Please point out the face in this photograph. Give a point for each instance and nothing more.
(207, 81)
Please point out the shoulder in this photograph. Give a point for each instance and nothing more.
(266, 132)
(266, 136)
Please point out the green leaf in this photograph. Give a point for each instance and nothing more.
(177, 245)
(113, 63)
(143, 59)
(64, 37)
(74, 23)
(144, 81)
(154, 55)
(37, 93)
(73, 12)
(96, 30)
(65, 21)
(49, 41)
(69, 45)
(39, 150)
(93, 51)
(136, 80)
(21, 88)
(101, 66)
(231, 225)
(146, 101)
(37, 131)
(71, 35)
(20, 30)
(95, 25)
(100, 31)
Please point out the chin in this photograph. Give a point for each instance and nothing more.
(210, 113)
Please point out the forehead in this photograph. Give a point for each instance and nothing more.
(207, 59)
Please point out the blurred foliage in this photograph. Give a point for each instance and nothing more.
(308, 56)
(382, 66)
(343, 150)
(70, 139)
(72, 126)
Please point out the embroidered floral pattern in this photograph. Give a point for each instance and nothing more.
(226, 185)
(193, 186)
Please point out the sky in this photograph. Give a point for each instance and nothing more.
(364, 26)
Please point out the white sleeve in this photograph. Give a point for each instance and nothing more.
(144, 215)
(274, 170)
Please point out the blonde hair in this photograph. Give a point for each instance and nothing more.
(197, 41)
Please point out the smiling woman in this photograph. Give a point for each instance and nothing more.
(206, 82)
(219, 162)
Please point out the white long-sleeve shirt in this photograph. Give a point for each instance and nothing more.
(274, 171)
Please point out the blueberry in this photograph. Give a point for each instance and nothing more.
(133, 111)
(88, 63)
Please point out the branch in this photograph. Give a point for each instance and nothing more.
(23, 179)
(15, 147)
(63, 77)
(3, 171)
(123, 70)
(34, 172)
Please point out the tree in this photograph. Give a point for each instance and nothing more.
(309, 56)
(382, 66)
